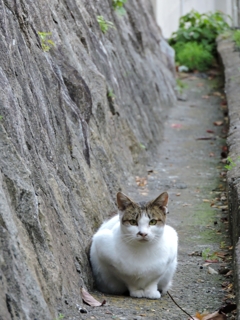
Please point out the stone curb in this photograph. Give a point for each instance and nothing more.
(231, 62)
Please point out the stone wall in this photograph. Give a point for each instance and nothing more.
(231, 63)
(67, 144)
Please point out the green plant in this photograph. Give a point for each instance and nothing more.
(60, 316)
(180, 86)
(206, 254)
(46, 43)
(1, 117)
(142, 146)
(104, 24)
(223, 245)
(194, 56)
(118, 6)
(200, 30)
(111, 94)
(236, 38)
(231, 164)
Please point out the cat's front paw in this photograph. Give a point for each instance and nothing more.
(137, 294)
(152, 294)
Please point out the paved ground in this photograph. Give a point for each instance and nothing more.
(190, 170)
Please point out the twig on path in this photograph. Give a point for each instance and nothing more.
(206, 138)
(179, 306)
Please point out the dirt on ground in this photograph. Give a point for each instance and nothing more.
(189, 167)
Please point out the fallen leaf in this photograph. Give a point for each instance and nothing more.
(222, 207)
(221, 254)
(212, 261)
(200, 84)
(89, 299)
(218, 123)
(209, 131)
(206, 138)
(229, 274)
(178, 194)
(186, 204)
(141, 182)
(205, 97)
(206, 200)
(211, 154)
(212, 271)
(176, 125)
(217, 94)
(206, 264)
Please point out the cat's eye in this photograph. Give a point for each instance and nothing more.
(133, 222)
(152, 222)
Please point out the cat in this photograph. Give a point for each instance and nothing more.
(135, 250)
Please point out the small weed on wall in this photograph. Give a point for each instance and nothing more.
(46, 42)
(104, 24)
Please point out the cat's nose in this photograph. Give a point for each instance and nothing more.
(142, 234)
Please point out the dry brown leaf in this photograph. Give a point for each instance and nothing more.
(205, 97)
(218, 123)
(176, 125)
(217, 94)
(186, 204)
(89, 299)
(141, 182)
(178, 194)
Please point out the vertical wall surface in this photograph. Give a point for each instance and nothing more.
(231, 62)
(76, 122)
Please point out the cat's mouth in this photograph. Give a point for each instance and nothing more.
(143, 240)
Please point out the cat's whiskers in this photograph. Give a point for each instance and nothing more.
(128, 238)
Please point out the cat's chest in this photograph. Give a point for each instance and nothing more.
(138, 261)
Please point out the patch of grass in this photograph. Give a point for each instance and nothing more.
(180, 86)
(231, 164)
(194, 56)
(118, 6)
(236, 38)
(104, 24)
(60, 316)
(46, 43)
(207, 255)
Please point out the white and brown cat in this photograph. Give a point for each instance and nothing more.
(135, 251)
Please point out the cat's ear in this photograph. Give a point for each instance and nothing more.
(123, 201)
(161, 201)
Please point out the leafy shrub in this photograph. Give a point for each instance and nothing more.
(194, 56)
(197, 33)
(118, 6)
(200, 28)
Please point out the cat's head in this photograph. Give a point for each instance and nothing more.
(142, 221)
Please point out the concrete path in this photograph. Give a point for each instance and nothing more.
(191, 171)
